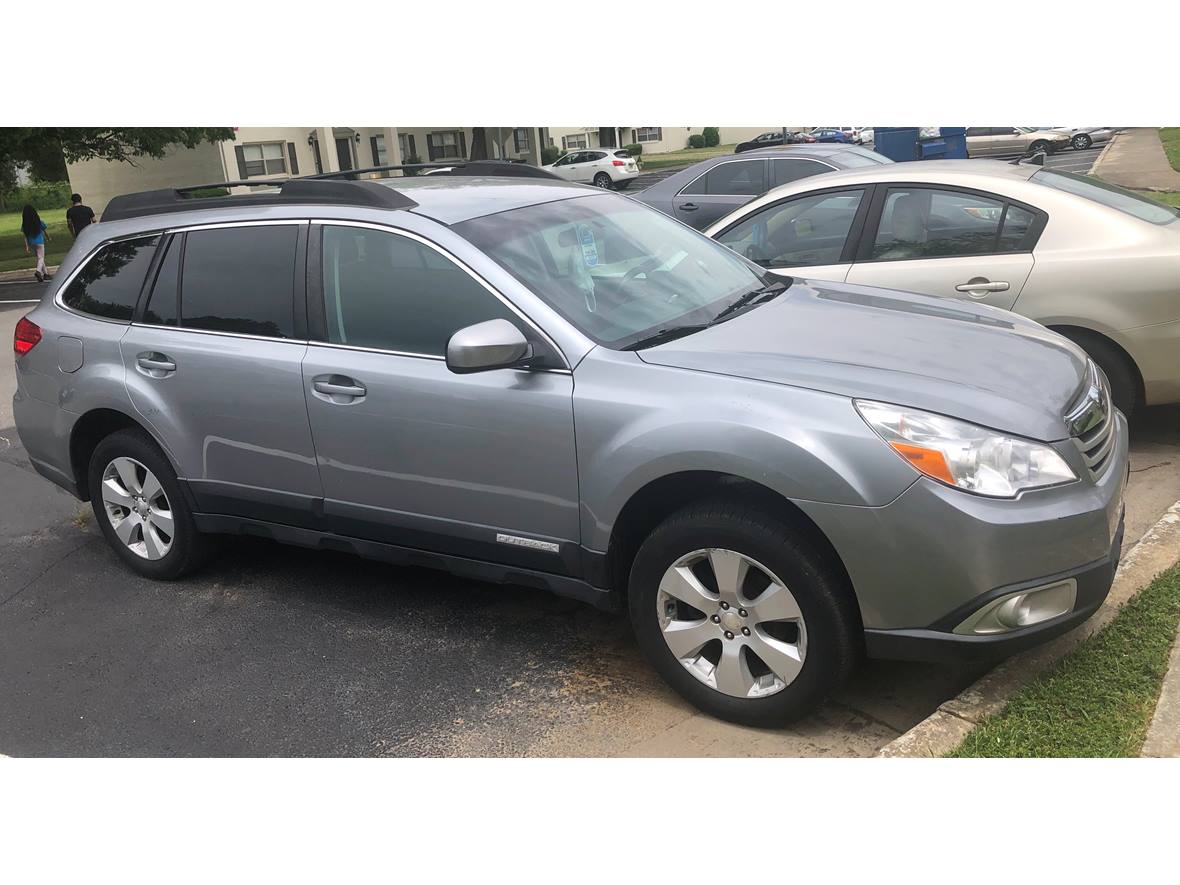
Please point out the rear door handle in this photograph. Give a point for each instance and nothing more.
(981, 285)
(155, 365)
(688, 207)
(338, 388)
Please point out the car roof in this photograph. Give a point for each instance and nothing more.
(452, 200)
(940, 170)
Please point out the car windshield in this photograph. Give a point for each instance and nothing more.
(1108, 195)
(617, 270)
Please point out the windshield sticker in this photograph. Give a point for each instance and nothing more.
(589, 247)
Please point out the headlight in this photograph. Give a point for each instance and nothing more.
(964, 455)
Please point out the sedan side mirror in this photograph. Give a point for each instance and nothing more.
(495, 344)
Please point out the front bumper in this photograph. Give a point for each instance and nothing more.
(923, 563)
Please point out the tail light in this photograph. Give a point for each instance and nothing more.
(617, 163)
(26, 336)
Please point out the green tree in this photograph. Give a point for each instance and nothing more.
(30, 145)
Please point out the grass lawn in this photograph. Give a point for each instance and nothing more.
(12, 244)
(1098, 700)
(1171, 139)
(686, 157)
(1172, 198)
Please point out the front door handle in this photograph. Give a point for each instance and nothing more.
(338, 388)
(155, 365)
(688, 207)
(977, 287)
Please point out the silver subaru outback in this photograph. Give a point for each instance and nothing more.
(535, 382)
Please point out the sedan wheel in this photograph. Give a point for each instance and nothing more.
(602, 180)
(732, 623)
(138, 509)
(1081, 141)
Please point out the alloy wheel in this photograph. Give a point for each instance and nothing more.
(138, 509)
(602, 180)
(731, 623)
(1081, 142)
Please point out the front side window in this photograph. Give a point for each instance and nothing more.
(240, 279)
(649, 133)
(928, 223)
(1110, 195)
(806, 231)
(108, 286)
(386, 291)
(264, 159)
(617, 270)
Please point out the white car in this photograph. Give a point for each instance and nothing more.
(601, 167)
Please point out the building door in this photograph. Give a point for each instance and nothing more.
(344, 153)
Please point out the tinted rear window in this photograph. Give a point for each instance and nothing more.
(240, 279)
(1108, 195)
(108, 286)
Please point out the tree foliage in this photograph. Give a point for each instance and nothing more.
(123, 145)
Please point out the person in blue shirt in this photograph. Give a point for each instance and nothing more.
(35, 236)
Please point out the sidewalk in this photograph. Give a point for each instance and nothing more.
(1163, 735)
(1136, 159)
(22, 276)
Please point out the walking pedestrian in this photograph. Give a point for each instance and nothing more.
(78, 215)
(35, 236)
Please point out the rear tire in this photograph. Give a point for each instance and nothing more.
(1120, 371)
(822, 637)
(140, 508)
(1038, 146)
(603, 181)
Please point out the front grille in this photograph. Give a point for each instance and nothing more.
(1092, 419)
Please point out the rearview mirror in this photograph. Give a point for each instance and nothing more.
(495, 344)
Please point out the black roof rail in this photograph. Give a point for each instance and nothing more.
(290, 191)
(505, 168)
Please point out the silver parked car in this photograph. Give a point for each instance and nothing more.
(537, 382)
(707, 190)
(1095, 262)
(1006, 141)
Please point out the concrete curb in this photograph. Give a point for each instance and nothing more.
(950, 724)
(1163, 734)
(1102, 156)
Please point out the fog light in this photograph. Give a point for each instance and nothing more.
(1022, 609)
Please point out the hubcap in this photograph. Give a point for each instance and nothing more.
(731, 623)
(137, 508)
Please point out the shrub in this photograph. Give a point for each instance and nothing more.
(696, 141)
(409, 161)
(41, 195)
(712, 136)
(549, 154)
(634, 150)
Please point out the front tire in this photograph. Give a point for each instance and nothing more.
(140, 508)
(740, 614)
(1082, 142)
(603, 181)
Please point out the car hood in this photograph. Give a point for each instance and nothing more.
(969, 361)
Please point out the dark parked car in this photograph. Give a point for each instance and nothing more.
(773, 139)
(706, 191)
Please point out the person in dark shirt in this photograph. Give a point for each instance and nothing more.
(78, 215)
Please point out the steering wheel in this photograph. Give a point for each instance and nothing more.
(642, 267)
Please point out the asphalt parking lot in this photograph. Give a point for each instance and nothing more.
(281, 651)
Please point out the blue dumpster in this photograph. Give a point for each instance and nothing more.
(898, 143)
(902, 143)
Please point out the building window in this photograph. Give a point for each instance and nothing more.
(447, 145)
(574, 142)
(380, 154)
(405, 141)
(648, 133)
(264, 159)
(520, 140)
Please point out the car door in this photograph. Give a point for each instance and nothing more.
(948, 242)
(590, 166)
(719, 190)
(213, 363)
(579, 168)
(479, 465)
(810, 235)
(564, 167)
(979, 141)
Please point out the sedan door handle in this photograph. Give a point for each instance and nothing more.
(339, 389)
(155, 365)
(689, 207)
(981, 285)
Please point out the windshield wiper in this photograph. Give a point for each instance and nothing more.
(766, 293)
(670, 334)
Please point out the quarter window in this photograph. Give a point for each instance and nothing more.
(928, 223)
(386, 291)
(264, 159)
(108, 286)
(808, 230)
(240, 279)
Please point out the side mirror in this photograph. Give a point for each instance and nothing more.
(495, 344)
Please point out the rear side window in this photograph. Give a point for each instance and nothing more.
(792, 169)
(108, 286)
(928, 223)
(240, 279)
(742, 178)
